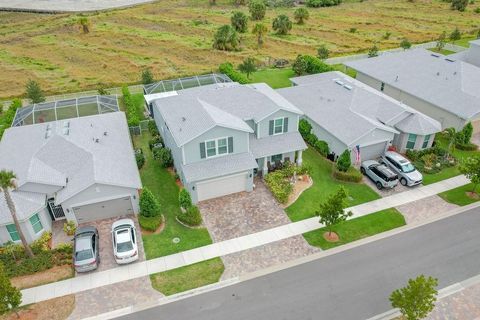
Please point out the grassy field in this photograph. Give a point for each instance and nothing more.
(174, 38)
(358, 228)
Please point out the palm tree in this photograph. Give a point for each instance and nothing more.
(259, 30)
(7, 181)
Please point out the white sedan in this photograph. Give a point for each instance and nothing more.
(124, 240)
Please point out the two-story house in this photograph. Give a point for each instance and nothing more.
(222, 135)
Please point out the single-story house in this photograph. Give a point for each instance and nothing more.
(222, 135)
(439, 86)
(347, 113)
(472, 55)
(80, 169)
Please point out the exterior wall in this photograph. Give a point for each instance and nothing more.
(446, 118)
(168, 139)
(97, 193)
(261, 161)
(39, 188)
(192, 149)
(334, 144)
(28, 229)
(401, 140)
(263, 126)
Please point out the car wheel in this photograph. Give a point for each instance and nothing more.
(362, 170)
(379, 185)
(403, 181)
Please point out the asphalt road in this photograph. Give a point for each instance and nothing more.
(354, 284)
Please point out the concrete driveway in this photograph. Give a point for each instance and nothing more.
(245, 213)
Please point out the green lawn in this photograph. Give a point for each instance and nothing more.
(343, 68)
(163, 186)
(443, 51)
(358, 228)
(275, 78)
(323, 185)
(139, 102)
(464, 42)
(446, 173)
(458, 195)
(188, 277)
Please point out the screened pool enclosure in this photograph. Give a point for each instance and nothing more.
(185, 83)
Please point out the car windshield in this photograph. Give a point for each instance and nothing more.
(408, 167)
(83, 255)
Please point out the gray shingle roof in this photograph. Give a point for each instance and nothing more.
(450, 85)
(76, 156)
(220, 166)
(26, 204)
(276, 144)
(196, 110)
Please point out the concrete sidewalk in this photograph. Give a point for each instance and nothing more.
(218, 249)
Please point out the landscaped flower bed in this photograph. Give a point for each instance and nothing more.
(280, 182)
(432, 160)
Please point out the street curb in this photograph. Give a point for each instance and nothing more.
(256, 274)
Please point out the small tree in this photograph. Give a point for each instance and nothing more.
(455, 35)
(417, 299)
(149, 206)
(459, 5)
(300, 65)
(147, 76)
(257, 9)
(248, 66)
(34, 92)
(164, 155)
(282, 24)
(239, 21)
(344, 161)
(323, 52)
(184, 199)
(373, 51)
(332, 211)
(301, 14)
(226, 38)
(10, 297)
(259, 30)
(470, 167)
(84, 24)
(405, 44)
(441, 41)
(304, 127)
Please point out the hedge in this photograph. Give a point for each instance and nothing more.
(150, 223)
(351, 175)
(7, 117)
(149, 206)
(228, 69)
(191, 217)
(322, 3)
(184, 199)
(130, 108)
(139, 158)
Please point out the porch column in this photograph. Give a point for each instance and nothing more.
(265, 167)
(299, 158)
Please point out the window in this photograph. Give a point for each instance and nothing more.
(36, 223)
(278, 126)
(12, 230)
(277, 157)
(426, 141)
(412, 139)
(216, 147)
(222, 146)
(211, 148)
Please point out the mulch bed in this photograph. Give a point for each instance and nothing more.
(331, 236)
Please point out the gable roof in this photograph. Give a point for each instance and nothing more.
(96, 149)
(449, 84)
(349, 109)
(192, 112)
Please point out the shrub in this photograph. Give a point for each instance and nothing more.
(373, 51)
(309, 64)
(323, 52)
(147, 76)
(155, 142)
(312, 139)
(322, 147)
(467, 147)
(69, 227)
(7, 118)
(279, 185)
(150, 223)
(351, 175)
(239, 21)
(165, 157)
(304, 127)
(42, 243)
(405, 44)
(226, 38)
(227, 68)
(282, 24)
(257, 9)
(184, 199)
(322, 3)
(477, 10)
(152, 128)
(149, 206)
(139, 158)
(300, 15)
(191, 217)
(34, 92)
(280, 3)
(344, 161)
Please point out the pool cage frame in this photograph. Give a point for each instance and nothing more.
(185, 83)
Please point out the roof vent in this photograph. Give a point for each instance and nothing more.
(348, 87)
(66, 131)
(396, 78)
(184, 119)
(449, 60)
(105, 133)
(455, 73)
(435, 55)
(339, 82)
(438, 73)
(97, 140)
(48, 133)
(66, 124)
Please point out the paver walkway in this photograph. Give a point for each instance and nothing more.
(462, 305)
(141, 269)
(424, 209)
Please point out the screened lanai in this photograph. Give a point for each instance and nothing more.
(185, 83)
(65, 109)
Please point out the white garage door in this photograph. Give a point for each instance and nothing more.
(222, 186)
(373, 151)
(103, 210)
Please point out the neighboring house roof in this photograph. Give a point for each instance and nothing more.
(26, 204)
(447, 83)
(194, 111)
(276, 144)
(219, 166)
(471, 55)
(72, 154)
(418, 124)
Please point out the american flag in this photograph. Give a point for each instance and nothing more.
(356, 150)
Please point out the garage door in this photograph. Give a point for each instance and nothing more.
(103, 210)
(222, 186)
(373, 151)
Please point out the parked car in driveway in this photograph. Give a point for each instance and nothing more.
(124, 241)
(409, 176)
(382, 176)
(86, 254)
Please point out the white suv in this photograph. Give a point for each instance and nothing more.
(409, 176)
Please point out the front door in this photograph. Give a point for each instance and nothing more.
(55, 211)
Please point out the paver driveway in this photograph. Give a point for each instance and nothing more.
(421, 210)
(245, 213)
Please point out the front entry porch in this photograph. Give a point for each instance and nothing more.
(270, 163)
